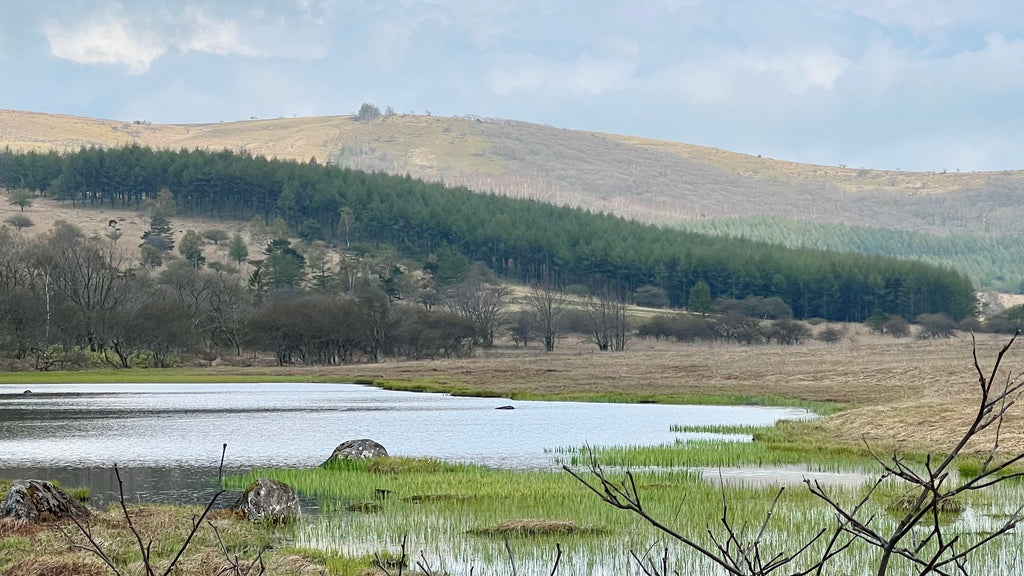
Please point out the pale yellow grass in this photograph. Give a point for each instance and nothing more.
(427, 147)
(45, 211)
(844, 178)
(424, 146)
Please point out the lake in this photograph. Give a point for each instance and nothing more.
(167, 437)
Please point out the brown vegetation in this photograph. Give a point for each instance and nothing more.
(535, 528)
(638, 178)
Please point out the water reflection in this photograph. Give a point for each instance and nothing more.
(168, 437)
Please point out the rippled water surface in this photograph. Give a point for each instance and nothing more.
(300, 424)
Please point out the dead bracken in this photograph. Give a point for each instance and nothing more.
(909, 502)
(536, 528)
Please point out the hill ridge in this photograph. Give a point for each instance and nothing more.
(650, 180)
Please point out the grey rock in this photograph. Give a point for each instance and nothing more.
(268, 500)
(41, 501)
(506, 407)
(27, 392)
(361, 449)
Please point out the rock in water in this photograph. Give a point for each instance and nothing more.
(357, 450)
(41, 501)
(267, 499)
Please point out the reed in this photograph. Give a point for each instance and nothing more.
(459, 515)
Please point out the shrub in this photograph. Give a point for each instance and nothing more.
(935, 326)
(830, 335)
(897, 327)
(651, 297)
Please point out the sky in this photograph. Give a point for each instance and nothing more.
(889, 84)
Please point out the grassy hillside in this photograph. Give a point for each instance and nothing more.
(649, 180)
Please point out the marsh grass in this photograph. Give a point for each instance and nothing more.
(460, 513)
(786, 443)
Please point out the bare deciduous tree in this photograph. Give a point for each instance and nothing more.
(921, 538)
(547, 307)
(608, 320)
(483, 304)
(90, 274)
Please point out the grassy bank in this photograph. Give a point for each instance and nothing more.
(429, 385)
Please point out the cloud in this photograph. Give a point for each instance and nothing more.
(115, 37)
(799, 72)
(996, 67)
(213, 35)
(755, 74)
(107, 39)
(584, 75)
(924, 16)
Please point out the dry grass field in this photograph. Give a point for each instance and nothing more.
(650, 180)
(95, 222)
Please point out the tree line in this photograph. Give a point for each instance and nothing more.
(68, 300)
(524, 241)
(992, 261)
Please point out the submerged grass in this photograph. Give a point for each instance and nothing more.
(459, 514)
(787, 443)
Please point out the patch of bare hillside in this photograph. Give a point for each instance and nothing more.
(130, 225)
(649, 180)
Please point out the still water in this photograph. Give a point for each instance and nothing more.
(168, 437)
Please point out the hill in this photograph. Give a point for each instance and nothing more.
(648, 180)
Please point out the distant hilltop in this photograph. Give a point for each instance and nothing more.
(649, 180)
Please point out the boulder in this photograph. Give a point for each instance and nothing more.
(357, 450)
(41, 501)
(268, 500)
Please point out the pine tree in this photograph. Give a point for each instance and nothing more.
(237, 248)
(700, 298)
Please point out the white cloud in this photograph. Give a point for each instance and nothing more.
(213, 36)
(923, 16)
(799, 72)
(998, 66)
(753, 74)
(585, 75)
(113, 37)
(106, 39)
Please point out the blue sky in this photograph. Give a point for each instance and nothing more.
(896, 84)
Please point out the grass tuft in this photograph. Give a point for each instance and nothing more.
(908, 503)
(536, 528)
